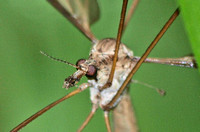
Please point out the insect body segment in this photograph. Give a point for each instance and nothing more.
(97, 68)
(103, 52)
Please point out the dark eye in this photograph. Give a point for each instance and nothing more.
(92, 71)
(80, 61)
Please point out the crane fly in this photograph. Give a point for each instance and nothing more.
(110, 66)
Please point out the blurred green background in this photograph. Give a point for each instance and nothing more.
(29, 81)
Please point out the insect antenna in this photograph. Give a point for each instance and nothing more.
(56, 59)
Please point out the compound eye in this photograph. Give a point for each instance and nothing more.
(80, 61)
(92, 70)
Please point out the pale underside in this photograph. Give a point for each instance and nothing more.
(101, 56)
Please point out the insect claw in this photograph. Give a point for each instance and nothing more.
(161, 92)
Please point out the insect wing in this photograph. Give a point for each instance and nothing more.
(85, 11)
(81, 13)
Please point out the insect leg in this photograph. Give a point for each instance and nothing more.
(144, 56)
(27, 121)
(186, 61)
(130, 13)
(107, 121)
(118, 41)
(94, 108)
(160, 91)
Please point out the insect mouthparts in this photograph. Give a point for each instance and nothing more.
(73, 79)
(70, 82)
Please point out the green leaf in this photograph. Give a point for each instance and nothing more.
(190, 11)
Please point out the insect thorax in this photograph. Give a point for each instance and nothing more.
(102, 53)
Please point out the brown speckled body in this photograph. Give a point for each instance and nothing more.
(102, 54)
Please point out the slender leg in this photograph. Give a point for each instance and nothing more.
(94, 108)
(42, 111)
(106, 117)
(130, 13)
(144, 56)
(186, 61)
(118, 41)
(160, 91)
